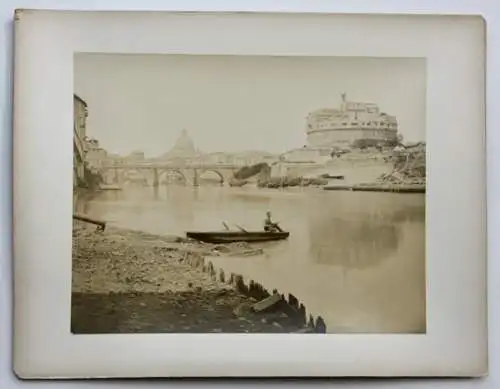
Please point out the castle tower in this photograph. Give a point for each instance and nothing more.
(353, 121)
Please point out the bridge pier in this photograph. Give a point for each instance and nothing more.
(195, 178)
(156, 181)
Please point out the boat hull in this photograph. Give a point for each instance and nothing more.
(235, 236)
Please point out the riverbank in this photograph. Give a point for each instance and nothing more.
(287, 182)
(378, 187)
(128, 281)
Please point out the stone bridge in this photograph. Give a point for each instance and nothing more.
(154, 174)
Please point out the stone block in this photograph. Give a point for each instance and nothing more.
(268, 304)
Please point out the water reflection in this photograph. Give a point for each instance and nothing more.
(351, 243)
(82, 201)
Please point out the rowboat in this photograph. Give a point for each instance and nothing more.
(237, 236)
(332, 177)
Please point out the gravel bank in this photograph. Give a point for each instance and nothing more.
(132, 282)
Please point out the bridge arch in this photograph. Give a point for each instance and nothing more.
(163, 172)
(156, 171)
(134, 175)
(221, 176)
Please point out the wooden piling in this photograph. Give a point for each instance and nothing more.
(310, 323)
(320, 326)
(302, 315)
(292, 300)
(101, 224)
(291, 306)
(240, 285)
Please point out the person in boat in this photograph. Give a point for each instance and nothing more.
(269, 225)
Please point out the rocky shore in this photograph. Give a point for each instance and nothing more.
(408, 174)
(132, 282)
(286, 182)
(405, 187)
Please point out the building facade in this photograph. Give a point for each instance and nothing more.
(135, 156)
(95, 155)
(80, 113)
(307, 155)
(353, 121)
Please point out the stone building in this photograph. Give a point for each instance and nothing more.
(340, 127)
(80, 113)
(135, 156)
(318, 155)
(95, 155)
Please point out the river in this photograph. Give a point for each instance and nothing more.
(355, 258)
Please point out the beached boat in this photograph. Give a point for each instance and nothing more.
(332, 177)
(237, 236)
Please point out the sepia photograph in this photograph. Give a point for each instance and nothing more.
(248, 194)
(289, 185)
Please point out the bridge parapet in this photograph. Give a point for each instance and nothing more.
(153, 171)
(170, 165)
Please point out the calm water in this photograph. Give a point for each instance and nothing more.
(357, 259)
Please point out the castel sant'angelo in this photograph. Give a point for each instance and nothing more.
(328, 127)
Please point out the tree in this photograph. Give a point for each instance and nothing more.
(249, 171)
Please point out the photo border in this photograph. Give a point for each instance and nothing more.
(456, 340)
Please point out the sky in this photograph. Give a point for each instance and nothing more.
(236, 103)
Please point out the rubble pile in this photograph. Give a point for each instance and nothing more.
(409, 166)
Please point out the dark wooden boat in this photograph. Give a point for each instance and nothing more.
(332, 177)
(237, 236)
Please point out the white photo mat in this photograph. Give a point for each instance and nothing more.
(456, 340)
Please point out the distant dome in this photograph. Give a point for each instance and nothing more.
(184, 143)
(183, 147)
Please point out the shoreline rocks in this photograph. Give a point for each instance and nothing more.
(286, 182)
(128, 281)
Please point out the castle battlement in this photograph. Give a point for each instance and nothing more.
(327, 127)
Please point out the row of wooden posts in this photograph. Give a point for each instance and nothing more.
(289, 305)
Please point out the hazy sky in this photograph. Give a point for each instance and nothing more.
(235, 103)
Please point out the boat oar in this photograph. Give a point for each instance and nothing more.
(241, 228)
(225, 226)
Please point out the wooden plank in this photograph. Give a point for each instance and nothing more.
(100, 223)
(268, 303)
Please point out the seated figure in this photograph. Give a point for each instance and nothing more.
(269, 225)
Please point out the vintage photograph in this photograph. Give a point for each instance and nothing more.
(248, 194)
